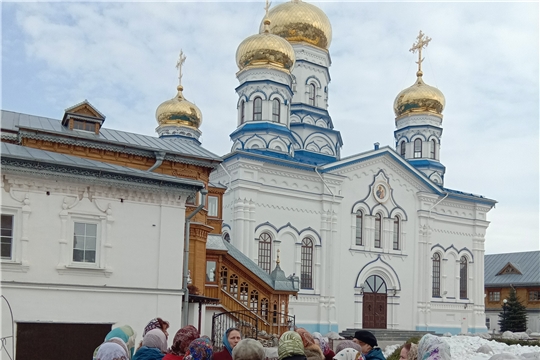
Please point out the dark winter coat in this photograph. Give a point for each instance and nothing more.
(295, 357)
(222, 355)
(375, 354)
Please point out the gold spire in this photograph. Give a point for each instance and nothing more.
(422, 42)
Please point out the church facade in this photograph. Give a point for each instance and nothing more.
(376, 239)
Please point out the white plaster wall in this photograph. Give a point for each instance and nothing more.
(141, 244)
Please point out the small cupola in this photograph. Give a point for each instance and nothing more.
(83, 117)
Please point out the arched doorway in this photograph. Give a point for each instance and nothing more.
(374, 303)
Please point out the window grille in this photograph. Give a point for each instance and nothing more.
(436, 286)
(265, 251)
(306, 268)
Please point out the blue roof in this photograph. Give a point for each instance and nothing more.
(528, 263)
(13, 121)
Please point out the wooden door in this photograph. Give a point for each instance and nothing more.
(374, 304)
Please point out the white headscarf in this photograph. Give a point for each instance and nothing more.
(112, 350)
(155, 339)
(432, 347)
(348, 354)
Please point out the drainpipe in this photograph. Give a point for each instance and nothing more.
(160, 156)
(331, 231)
(185, 304)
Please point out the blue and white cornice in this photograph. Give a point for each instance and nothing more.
(250, 87)
(260, 128)
(423, 119)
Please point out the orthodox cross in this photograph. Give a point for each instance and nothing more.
(422, 42)
(179, 63)
(267, 7)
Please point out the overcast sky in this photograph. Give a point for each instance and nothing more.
(483, 57)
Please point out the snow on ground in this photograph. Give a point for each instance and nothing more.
(464, 348)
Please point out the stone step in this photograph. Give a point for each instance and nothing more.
(388, 335)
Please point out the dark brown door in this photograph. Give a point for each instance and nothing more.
(57, 341)
(374, 304)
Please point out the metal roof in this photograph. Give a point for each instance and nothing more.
(528, 263)
(14, 121)
(42, 158)
(216, 242)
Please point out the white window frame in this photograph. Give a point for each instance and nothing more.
(213, 209)
(85, 220)
(12, 237)
(15, 263)
(96, 245)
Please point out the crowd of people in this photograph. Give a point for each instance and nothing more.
(188, 344)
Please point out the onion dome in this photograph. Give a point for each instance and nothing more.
(265, 49)
(297, 21)
(179, 112)
(419, 98)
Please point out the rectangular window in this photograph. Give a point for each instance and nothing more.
(494, 296)
(213, 206)
(378, 231)
(534, 295)
(83, 125)
(396, 235)
(7, 237)
(210, 271)
(359, 219)
(84, 242)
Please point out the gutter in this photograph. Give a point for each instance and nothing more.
(160, 156)
(185, 309)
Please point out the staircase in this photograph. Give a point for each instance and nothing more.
(386, 335)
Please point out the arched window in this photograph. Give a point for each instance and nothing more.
(242, 112)
(359, 225)
(265, 251)
(396, 233)
(433, 147)
(418, 148)
(402, 149)
(306, 267)
(311, 94)
(244, 291)
(463, 278)
(233, 285)
(378, 230)
(257, 109)
(264, 308)
(436, 281)
(223, 278)
(254, 301)
(275, 110)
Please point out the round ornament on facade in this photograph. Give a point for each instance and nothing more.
(381, 192)
(298, 21)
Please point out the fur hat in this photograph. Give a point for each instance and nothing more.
(367, 337)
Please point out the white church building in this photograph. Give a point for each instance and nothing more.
(377, 239)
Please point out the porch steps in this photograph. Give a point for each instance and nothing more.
(385, 335)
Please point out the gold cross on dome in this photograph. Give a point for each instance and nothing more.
(179, 63)
(267, 7)
(422, 42)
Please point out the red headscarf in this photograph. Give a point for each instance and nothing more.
(182, 339)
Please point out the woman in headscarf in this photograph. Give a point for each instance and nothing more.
(157, 323)
(248, 349)
(323, 344)
(312, 350)
(409, 351)
(348, 354)
(432, 347)
(291, 347)
(126, 334)
(199, 349)
(181, 342)
(113, 349)
(348, 344)
(231, 337)
(154, 346)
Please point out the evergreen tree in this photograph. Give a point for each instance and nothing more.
(514, 317)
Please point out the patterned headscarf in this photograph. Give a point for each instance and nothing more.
(182, 339)
(290, 344)
(307, 339)
(432, 347)
(199, 349)
(155, 339)
(157, 323)
(114, 349)
(348, 344)
(348, 354)
(126, 334)
(226, 339)
(322, 342)
(413, 352)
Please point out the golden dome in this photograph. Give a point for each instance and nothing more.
(297, 21)
(265, 49)
(419, 98)
(178, 111)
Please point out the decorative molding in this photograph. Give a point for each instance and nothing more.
(83, 271)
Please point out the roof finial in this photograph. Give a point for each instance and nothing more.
(277, 260)
(422, 42)
(266, 19)
(179, 63)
